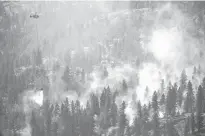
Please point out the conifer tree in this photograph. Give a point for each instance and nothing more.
(171, 102)
(186, 128)
(149, 106)
(155, 101)
(88, 108)
(55, 129)
(105, 73)
(113, 114)
(136, 127)
(155, 121)
(127, 131)
(67, 77)
(194, 71)
(33, 124)
(193, 124)
(203, 83)
(162, 86)
(92, 126)
(182, 87)
(73, 108)
(122, 121)
(199, 106)
(139, 109)
(199, 70)
(83, 75)
(57, 110)
(38, 57)
(48, 122)
(77, 107)
(108, 99)
(189, 98)
(183, 79)
(162, 100)
(124, 86)
(102, 100)
(146, 92)
(145, 114)
(67, 106)
(170, 128)
(155, 118)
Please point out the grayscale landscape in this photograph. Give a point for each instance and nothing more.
(102, 68)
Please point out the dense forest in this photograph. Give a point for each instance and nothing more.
(70, 68)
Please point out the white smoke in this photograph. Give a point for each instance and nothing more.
(170, 44)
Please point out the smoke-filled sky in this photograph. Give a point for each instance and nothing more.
(168, 38)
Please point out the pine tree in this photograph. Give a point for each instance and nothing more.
(189, 98)
(83, 75)
(203, 87)
(67, 120)
(55, 129)
(170, 128)
(186, 128)
(162, 86)
(171, 102)
(108, 98)
(97, 106)
(146, 92)
(38, 57)
(57, 110)
(162, 100)
(92, 126)
(139, 109)
(78, 112)
(105, 73)
(102, 100)
(124, 86)
(175, 86)
(48, 122)
(194, 71)
(155, 102)
(85, 125)
(74, 118)
(2, 114)
(136, 127)
(73, 107)
(183, 79)
(127, 131)
(113, 114)
(145, 114)
(33, 123)
(122, 121)
(15, 121)
(155, 121)
(203, 83)
(88, 108)
(179, 96)
(193, 124)
(199, 106)
(67, 106)
(67, 77)
(149, 106)
(199, 70)
(93, 105)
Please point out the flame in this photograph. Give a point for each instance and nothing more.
(38, 98)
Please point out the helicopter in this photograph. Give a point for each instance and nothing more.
(34, 15)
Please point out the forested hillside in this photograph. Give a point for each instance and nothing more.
(131, 68)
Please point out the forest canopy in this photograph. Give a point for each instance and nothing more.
(102, 68)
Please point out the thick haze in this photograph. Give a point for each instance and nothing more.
(82, 25)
